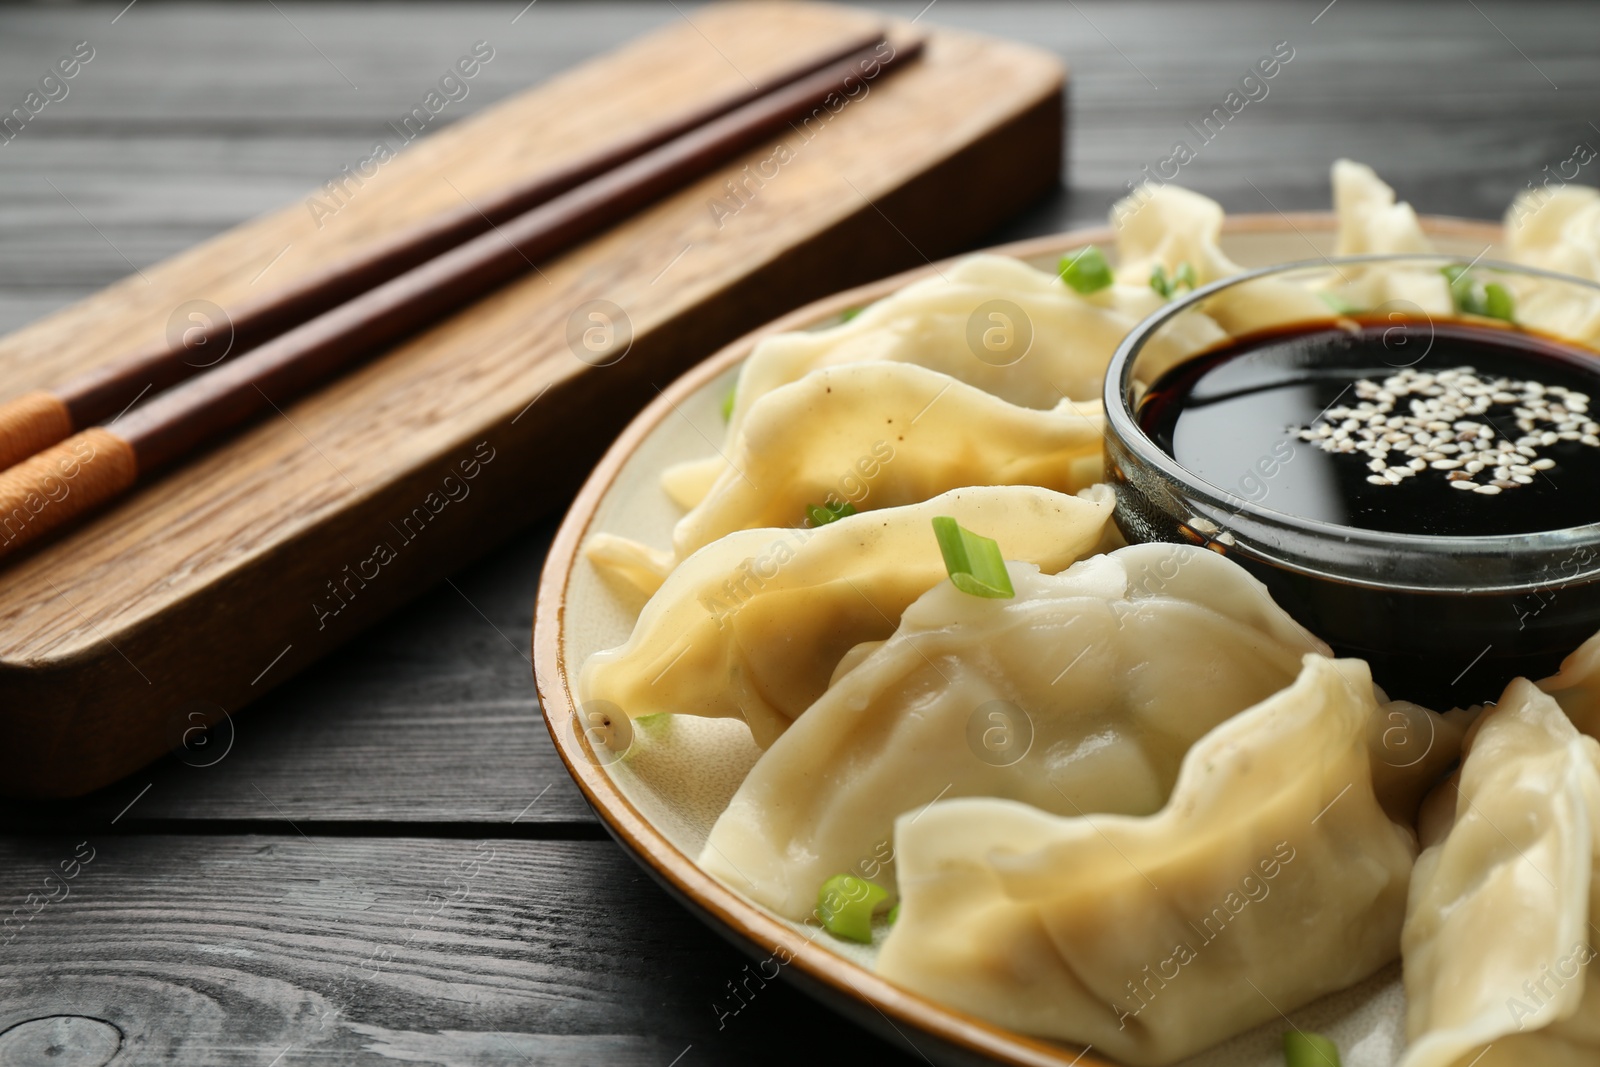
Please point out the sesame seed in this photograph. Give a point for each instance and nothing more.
(1443, 421)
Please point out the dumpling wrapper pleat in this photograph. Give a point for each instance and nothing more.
(1273, 875)
(1113, 668)
(753, 625)
(875, 435)
(1499, 928)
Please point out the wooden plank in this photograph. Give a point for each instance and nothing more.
(576, 112)
(430, 717)
(221, 950)
(139, 611)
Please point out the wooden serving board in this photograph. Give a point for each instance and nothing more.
(222, 578)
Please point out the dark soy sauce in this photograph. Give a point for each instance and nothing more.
(1234, 417)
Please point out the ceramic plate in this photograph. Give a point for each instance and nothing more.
(661, 800)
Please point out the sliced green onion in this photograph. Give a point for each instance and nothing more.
(1301, 1049)
(1497, 301)
(894, 913)
(1492, 301)
(821, 516)
(1339, 304)
(1183, 277)
(1467, 296)
(1159, 281)
(727, 402)
(845, 905)
(848, 313)
(1086, 270)
(974, 561)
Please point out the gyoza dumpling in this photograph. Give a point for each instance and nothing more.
(754, 624)
(874, 435)
(1063, 341)
(1499, 929)
(1576, 686)
(1273, 875)
(1099, 679)
(1556, 230)
(1168, 226)
(1372, 222)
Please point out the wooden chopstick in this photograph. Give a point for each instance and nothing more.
(42, 417)
(95, 465)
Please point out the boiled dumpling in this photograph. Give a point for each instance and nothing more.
(1169, 226)
(1557, 230)
(1576, 686)
(1372, 222)
(1499, 929)
(1063, 343)
(1274, 874)
(1081, 692)
(874, 435)
(754, 624)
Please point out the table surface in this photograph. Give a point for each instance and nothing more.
(384, 859)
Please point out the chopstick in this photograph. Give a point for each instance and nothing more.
(97, 464)
(41, 418)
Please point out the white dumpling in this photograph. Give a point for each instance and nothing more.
(1557, 230)
(935, 323)
(1169, 226)
(1113, 668)
(1372, 222)
(753, 625)
(1499, 926)
(1274, 875)
(875, 435)
(1576, 686)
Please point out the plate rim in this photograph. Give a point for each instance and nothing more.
(748, 925)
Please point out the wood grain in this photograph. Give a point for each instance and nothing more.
(140, 612)
(282, 304)
(316, 950)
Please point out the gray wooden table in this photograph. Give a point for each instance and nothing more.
(385, 860)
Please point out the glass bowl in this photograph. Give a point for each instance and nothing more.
(1443, 620)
